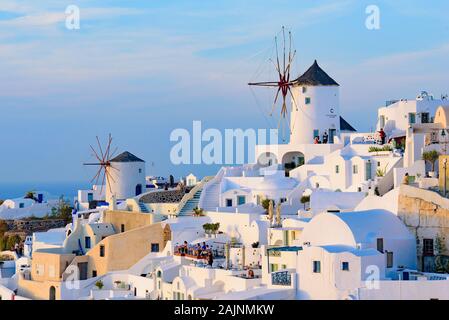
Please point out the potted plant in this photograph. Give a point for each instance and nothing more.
(215, 227)
(207, 229)
(198, 212)
(431, 157)
(99, 284)
(117, 284)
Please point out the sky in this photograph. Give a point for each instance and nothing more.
(140, 69)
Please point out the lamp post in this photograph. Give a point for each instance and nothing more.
(444, 167)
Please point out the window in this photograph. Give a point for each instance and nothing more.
(122, 227)
(21, 205)
(307, 100)
(228, 202)
(425, 117)
(282, 200)
(368, 172)
(155, 247)
(316, 266)
(284, 266)
(316, 133)
(411, 118)
(241, 200)
(380, 245)
(90, 197)
(94, 273)
(355, 169)
(102, 251)
(274, 267)
(378, 163)
(337, 169)
(389, 259)
(87, 242)
(428, 247)
(304, 89)
(140, 170)
(345, 266)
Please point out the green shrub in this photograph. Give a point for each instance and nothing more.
(385, 147)
(99, 284)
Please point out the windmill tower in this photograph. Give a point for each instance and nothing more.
(123, 175)
(128, 180)
(316, 96)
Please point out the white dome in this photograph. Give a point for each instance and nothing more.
(276, 183)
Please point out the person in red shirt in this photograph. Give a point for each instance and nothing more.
(382, 135)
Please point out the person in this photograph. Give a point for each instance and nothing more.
(325, 137)
(250, 273)
(185, 246)
(16, 248)
(210, 259)
(316, 140)
(405, 180)
(382, 135)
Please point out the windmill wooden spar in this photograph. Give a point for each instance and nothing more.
(104, 164)
(283, 84)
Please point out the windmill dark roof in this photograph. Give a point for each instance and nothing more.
(126, 157)
(315, 76)
(345, 126)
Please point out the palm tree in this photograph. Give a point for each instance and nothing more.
(304, 200)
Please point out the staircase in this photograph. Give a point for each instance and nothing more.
(211, 196)
(187, 209)
(143, 207)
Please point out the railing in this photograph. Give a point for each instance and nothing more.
(281, 278)
(192, 192)
(215, 179)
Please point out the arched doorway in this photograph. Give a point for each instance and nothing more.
(267, 159)
(52, 295)
(292, 160)
(138, 189)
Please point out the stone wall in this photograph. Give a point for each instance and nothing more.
(27, 227)
(165, 196)
(426, 219)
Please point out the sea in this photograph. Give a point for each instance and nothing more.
(68, 190)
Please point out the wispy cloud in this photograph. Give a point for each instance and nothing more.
(38, 19)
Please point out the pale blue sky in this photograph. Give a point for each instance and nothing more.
(140, 69)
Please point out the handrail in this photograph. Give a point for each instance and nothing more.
(188, 196)
(217, 178)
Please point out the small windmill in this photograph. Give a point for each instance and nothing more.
(104, 163)
(283, 83)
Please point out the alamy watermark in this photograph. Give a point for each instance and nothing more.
(236, 146)
(372, 21)
(73, 17)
